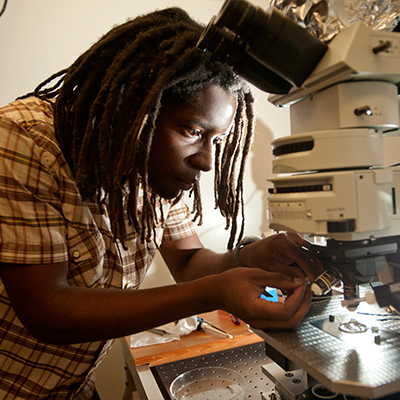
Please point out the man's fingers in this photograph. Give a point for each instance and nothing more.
(311, 266)
(281, 280)
(300, 241)
(289, 314)
(307, 262)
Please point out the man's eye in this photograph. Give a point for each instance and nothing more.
(192, 132)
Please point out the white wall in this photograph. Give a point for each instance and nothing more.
(40, 37)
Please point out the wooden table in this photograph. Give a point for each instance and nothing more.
(140, 360)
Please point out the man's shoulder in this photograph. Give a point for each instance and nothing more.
(29, 112)
(27, 125)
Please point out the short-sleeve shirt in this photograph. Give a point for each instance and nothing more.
(43, 220)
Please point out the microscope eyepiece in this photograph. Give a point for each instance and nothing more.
(228, 48)
(272, 39)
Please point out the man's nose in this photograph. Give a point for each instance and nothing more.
(203, 159)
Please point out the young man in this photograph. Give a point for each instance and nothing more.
(92, 174)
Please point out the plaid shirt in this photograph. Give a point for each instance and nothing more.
(44, 220)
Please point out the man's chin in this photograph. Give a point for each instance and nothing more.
(171, 197)
(169, 194)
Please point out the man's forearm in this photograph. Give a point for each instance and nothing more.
(81, 315)
(204, 262)
(55, 312)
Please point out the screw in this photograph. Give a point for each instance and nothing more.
(382, 46)
(365, 110)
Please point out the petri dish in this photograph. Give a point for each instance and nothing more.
(216, 383)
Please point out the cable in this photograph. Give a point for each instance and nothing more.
(3, 8)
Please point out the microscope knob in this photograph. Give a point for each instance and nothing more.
(370, 298)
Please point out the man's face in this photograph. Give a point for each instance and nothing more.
(183, 141)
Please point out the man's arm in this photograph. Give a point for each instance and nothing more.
(187, 259)
(54, 312)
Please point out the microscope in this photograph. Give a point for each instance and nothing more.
(330, 184)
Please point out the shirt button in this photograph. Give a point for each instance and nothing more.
(76, 254)
(130, 285)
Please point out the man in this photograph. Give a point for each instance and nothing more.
(92, 174)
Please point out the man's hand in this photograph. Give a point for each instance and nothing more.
(284, 253)
(239, 290)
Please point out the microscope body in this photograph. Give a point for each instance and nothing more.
(331, 184)
(333, 179)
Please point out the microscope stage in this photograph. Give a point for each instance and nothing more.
(354, 353)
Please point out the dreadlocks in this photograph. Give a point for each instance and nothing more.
(106, 108)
